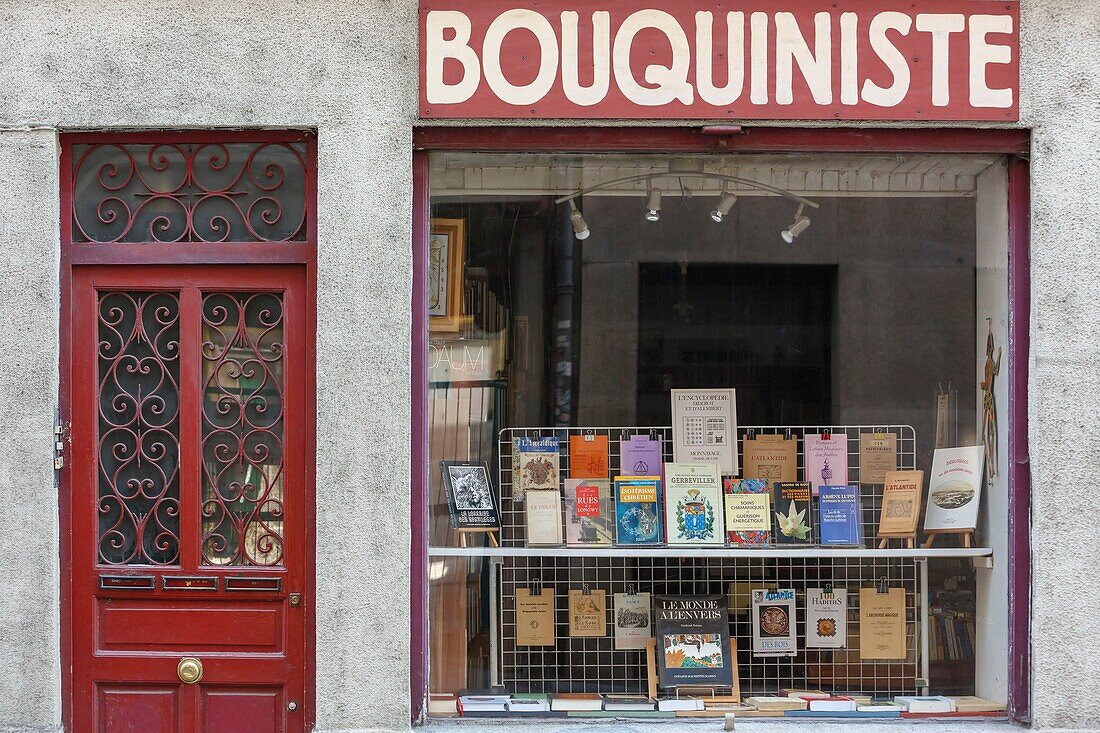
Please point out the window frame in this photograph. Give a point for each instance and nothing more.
(1012, 142)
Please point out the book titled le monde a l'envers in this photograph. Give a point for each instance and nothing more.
(693, 641)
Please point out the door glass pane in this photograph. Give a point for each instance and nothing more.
(242, 429)
(138, 376)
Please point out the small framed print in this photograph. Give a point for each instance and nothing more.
(446, 261)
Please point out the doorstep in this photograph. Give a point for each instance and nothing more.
(768, 725)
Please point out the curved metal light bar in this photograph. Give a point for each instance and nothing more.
(680, 176)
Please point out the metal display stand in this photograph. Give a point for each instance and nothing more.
(592, 664)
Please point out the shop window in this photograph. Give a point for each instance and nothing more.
(852, 310)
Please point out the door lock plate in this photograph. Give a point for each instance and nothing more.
(189, 670)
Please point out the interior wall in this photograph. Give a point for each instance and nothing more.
(904, 318)
(991, 577)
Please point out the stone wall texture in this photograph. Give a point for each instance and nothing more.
(349, 70)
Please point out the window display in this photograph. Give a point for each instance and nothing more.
(688, 425)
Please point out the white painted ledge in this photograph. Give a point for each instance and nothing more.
(771, 725)
(720, 552)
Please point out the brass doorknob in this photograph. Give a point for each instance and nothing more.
(190, 670)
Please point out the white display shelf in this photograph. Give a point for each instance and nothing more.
(717, 552)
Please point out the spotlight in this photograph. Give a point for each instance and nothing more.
(580, 226)
(724, 206)
(653, 205)
(800, 224)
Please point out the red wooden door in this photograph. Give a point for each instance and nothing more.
(190, 506)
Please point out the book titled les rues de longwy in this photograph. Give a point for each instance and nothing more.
(693, 641)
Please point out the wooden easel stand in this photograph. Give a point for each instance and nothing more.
(490, 532)
(967, 536)
(909, 539)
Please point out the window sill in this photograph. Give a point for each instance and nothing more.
(624, 725)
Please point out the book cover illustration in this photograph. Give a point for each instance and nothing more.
(632, 620)
(882, 623)
(770, 457)
(838, 516)
(878, 455)
(638, 510)
(793, 511)
(704, 427)
(901, 500)
(748, 507)
(469, 495)
(535, 617)
(589, 515)
(543, 518)
(826, 618)
(538, 465)
(587, 613)
(773, 623)
(693, 504)
(641, 456)
(588, 456)
(826, 459)
(954, 488)
(693, 641)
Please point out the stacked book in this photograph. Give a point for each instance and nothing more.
(497, 702)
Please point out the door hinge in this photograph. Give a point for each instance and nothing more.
(58, 443)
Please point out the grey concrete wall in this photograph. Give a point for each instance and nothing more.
(1061, 103)
(345, 68)
(349, 69)
(29, 641)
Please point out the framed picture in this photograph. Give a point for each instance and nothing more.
(446, 259)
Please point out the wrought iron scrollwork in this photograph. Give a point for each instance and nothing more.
(138, 443)
(242, 427)
(176, 192)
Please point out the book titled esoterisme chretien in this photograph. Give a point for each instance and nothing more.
(638, 510)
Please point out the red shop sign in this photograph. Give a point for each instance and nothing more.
(760, 59)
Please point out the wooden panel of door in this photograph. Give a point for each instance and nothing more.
(189, 499)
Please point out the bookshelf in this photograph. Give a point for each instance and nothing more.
(592, 664)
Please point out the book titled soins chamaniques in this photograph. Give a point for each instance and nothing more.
(747, 515)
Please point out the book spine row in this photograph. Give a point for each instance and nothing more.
(952, 636)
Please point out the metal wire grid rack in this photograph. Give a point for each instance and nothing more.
(594, 665)
(512, 515)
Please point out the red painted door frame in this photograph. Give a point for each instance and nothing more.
(1006, 141)
(252, 257)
